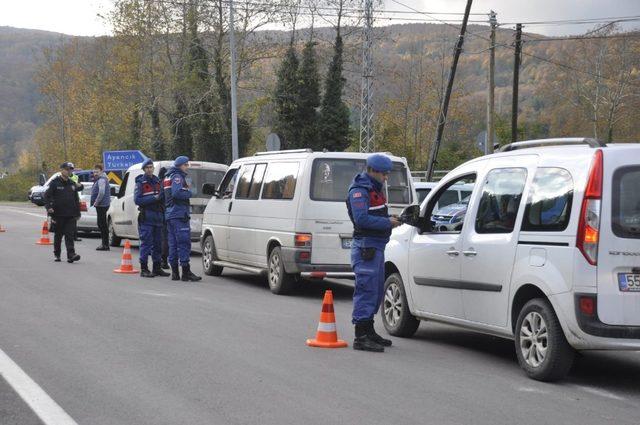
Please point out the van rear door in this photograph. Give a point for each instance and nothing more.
(619, 247)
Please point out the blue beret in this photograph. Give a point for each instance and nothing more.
(149, 161)
(380, 163)
(180, 160)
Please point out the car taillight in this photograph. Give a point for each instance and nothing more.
(83, 206)
(303, 239)
(589, 226)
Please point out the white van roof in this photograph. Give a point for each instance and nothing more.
(193, 164)
(308, 153)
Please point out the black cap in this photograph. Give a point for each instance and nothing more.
(67, 165)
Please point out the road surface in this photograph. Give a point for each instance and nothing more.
(119, 349)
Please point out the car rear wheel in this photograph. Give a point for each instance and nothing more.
(280, 282)
(396, 317)
(114, 240)
(208, 257)
(542, 349)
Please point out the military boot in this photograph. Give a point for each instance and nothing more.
(157, 270)
(165, 264)
(363, 341)
(188, 276)
(144, 270)
(377, 338)
(175, 272)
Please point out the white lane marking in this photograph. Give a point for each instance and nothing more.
(532, 390)
(49, 412)
(599, 392)
(43, 216)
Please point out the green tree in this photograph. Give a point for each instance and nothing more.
(309, 97)
(286, 100)
(334, 114)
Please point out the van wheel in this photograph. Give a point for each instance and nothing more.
(396, 317)
(280, 282)
(114, 240)
(542, 349)
(208, 257)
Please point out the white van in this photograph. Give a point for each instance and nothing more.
(122, 216)
(548, 253)
(284, 213)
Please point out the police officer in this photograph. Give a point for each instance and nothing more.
(63, 205)
(148, 196)
(177, 214)
(367, 206)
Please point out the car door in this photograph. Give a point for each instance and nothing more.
(218, 217)
(129, 207)
(434, 258)
(116, 210)
(490, 239)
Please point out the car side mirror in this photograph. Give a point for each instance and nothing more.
(411, 215)
(41, 179)
(210, 189)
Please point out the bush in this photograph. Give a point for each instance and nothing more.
(15, 186)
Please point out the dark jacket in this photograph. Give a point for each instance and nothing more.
(101, 192)
(176, 195)
(367, 207)
(149, 198)
(62, 197)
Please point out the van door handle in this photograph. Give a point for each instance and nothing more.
(122, 206)
(230, 205)
(470, 253)
(452, 253)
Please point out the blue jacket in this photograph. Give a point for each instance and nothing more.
(176, 195)
(367, 207)
(101, 192)
(149, 197)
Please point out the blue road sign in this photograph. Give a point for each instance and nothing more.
(121, 160)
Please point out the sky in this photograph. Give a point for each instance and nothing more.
(82, 17)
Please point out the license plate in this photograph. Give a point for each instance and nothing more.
(346, 243)
(629, 282)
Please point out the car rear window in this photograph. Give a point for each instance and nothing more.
(625, 220)
(422, 194)
(198, 177)
(331, 178)
(549, 205)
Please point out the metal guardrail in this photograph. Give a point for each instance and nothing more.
(421, 176)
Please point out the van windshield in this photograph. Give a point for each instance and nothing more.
(198, 177)
(331, 178)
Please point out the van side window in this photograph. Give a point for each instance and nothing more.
(625, 211)
(549, 205)
(123, 186)
(228, 183)
(448, 214)
(256, 182)
(244, 182)
(280, 181)
(500, 200)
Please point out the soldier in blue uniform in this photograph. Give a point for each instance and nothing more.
(177, 213)
(367, 206)
(149, 198)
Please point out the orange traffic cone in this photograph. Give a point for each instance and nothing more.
(125, 265)
(44, 239)
(327, 335)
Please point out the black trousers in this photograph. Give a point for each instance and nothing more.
(102, 224)
(165, 242)
(64, 226)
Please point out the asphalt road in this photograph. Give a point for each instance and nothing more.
(118, 349)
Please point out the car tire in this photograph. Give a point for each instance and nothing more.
(396, 316)
(280, 282)
(542, 349)
(114, 240)
(208, 257)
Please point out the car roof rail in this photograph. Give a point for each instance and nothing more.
(307, 150)
(563, 141)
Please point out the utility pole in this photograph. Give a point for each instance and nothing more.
(488, 145)
(366, 100)
(516, 80)
(234, 103)
(442, 120)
